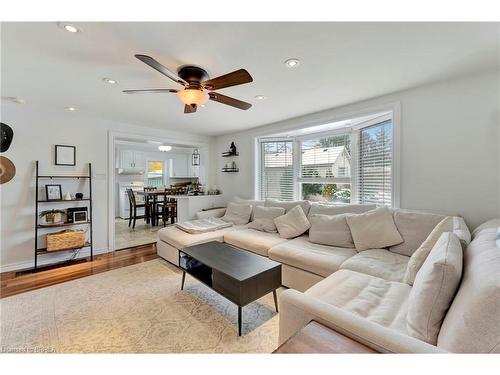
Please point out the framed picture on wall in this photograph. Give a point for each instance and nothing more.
(54, 192)
(65, 155)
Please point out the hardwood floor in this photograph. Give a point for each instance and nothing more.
(12, 283)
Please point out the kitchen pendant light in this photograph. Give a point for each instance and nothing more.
(195, 157)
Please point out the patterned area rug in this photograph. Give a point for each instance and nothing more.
(135, 309)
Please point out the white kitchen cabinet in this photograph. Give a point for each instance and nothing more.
(132, 159)
(178, 166)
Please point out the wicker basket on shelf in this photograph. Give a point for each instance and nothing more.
(66, 239)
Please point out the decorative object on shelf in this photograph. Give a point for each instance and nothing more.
(67, 197)
(78, 196)
(65, 155)
(54, 192)
(232, 151)
(66, 239)
(52, 216)
(195, 157)
(71, 210)
(6, 135)
(80, 216)
(7, 170)
(232, 148)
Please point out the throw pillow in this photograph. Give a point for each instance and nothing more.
(420, 255)
(264, 218)
(414, 227)
(238, 214)
(330, 230)
(251, 202)
(373, 229)
(288, 205)
(293, 223)
(435, 286)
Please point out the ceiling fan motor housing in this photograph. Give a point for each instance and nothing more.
(194, 75)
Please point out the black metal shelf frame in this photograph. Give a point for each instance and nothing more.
(44, 201)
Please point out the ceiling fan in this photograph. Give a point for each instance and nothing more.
(196, 82)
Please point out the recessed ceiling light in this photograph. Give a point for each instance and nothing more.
(164, 148)
(71, 109)
(292, 63)
(202, 105)
(110, 81)
(14, 99)
(260, 97)
(68, 27)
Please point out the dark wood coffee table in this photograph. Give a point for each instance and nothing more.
(238, 275)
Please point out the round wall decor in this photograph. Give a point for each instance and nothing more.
(6, 135)
(7, 170)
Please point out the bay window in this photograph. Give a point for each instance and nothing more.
(353, 164)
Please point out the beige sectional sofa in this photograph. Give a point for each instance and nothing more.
(362, 294)
(373, 310)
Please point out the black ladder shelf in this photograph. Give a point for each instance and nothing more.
(38, 201)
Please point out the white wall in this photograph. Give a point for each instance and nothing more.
(450, 137)
(35, 133)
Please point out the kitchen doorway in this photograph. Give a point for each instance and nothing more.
(141, 165)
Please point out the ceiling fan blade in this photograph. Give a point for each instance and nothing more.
(238, 77)
(216, 97)
(190, 108)
(150, 91)
(162, 69)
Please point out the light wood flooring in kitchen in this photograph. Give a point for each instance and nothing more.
(126, 237)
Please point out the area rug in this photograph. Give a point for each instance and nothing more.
(135, 309)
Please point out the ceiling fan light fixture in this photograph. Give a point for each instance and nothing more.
(192, 96)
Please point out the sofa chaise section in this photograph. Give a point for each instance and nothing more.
(172, 239)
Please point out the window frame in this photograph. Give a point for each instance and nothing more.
(392, 109)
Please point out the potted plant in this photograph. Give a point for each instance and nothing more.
(52, 216)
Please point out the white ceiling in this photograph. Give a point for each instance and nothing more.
(340, 63)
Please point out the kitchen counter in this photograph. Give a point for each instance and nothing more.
(189, 205)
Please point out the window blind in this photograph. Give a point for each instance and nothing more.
(374, 184)
(276, 172)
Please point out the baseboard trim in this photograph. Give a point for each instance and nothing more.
(47, 259)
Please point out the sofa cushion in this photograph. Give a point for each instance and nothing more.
(330, 230)
(319, 259)
(180, 239)
(434, 288)
(420, 255)
(377, 300)
(472, 324)
(253, 240)
(252, 202)
(373, 229)
(263, 218)
(238, 214)
(288, 205)
(337, 209)
(378, 262)
(293, 223)
(414, 227)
